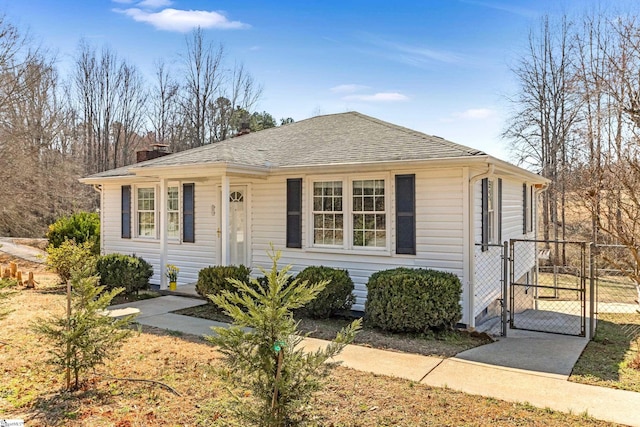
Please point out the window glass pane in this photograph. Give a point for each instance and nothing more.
(379, 204)
(173, 225)
(146, 212)
(327, 224)
(368, 204)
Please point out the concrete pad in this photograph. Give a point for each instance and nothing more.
(546, 354)
(180, 323)
(395, 364)
(160, 305)
(121, 312)
(542, 391)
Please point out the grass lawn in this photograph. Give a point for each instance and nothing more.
(445, 344)
(606, 359)
(30, 389)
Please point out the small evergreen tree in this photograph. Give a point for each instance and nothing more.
(85, 336)
(267, 358)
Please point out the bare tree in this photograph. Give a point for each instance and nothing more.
(545, 112)
(202, 80)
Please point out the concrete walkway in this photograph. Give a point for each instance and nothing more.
(526, 367)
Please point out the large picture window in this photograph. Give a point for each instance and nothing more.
(369, 215)
(328, 217)
(146, 212)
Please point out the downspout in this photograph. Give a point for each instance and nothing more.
(472, 272)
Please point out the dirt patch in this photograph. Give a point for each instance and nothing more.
(30, 389)
(23, 264)
(444, 344)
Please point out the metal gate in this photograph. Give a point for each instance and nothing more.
(547, 286)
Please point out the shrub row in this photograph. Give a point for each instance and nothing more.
(398, 300)
(115, 270)
(337, 295)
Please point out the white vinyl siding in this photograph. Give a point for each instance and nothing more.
(189, 257)
(488, 264)
(439, 230)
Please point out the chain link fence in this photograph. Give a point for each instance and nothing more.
(557, 288)
(488, 288)
(616, 273)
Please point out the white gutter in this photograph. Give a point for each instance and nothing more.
(472, 181)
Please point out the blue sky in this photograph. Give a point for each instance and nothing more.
(438, 66)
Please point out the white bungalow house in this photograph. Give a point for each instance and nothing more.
(342, 190)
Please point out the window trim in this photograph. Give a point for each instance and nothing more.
(136, 210)
(491, 236)
(177, 238)
(347, 246)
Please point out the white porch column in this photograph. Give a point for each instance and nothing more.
(162, 225)
(224, 222)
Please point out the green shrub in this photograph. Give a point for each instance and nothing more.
(130, 272)
(71, 257)
(81, 227)
(337, 295)
(213, 280)
(413, 300)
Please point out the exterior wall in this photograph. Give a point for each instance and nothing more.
(487, 286)
(439, 229)
(189, 257)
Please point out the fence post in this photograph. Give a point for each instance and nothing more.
(505, 286)
(592, 293)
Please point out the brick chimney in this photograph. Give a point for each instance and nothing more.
(157, 150)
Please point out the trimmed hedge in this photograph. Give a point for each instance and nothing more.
(213, 280)
(129, 272)
(337, 295)
(80, 227)
(413, 300)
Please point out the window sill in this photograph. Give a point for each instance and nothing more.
(386, 252)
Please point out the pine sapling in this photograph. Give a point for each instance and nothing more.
(85, 336)
(262, 348)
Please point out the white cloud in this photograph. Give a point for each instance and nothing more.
(154, 4)
(378, 97)
(182, 20)
(476, 114)
(348, 88)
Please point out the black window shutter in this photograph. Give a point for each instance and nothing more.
(125, 212)
(525, 210)
(499, 210)
(485, 214)
(188, 220)
(294, 213)
(406, 214)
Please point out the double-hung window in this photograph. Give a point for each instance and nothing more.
(328, 216)
(369, 214)
(350, 214)
(173, 213)
(146, 212)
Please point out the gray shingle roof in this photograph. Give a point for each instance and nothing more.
(346, 138)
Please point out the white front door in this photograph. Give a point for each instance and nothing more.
(238, 225)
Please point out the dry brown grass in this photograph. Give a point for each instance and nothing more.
(30, 389)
